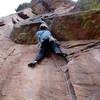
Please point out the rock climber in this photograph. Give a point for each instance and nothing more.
(46, 41)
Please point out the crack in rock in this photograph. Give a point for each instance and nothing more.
(68, 85)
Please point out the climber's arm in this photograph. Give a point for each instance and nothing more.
(38, 39)
(54, 39)
(39, 43)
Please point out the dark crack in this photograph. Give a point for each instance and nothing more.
(87, 48)
(79, 45)
(91, 46)
(9, 54)
(68, 84)
(65, 71)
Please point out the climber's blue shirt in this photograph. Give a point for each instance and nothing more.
(43, 34)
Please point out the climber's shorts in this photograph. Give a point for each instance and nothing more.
(46, 45)
(53, 46)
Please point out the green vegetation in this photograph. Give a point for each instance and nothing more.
(89, 4)
(23, 6)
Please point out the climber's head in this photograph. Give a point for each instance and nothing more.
(44, 26)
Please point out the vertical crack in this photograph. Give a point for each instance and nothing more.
(68, 85)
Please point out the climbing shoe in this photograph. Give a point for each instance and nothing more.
(32, 64)
(65, 55)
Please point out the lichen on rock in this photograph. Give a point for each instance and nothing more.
(24, 34)
(84, 25)
(77, 26)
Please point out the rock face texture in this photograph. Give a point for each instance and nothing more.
(53, 78)
(84, 74)
(44, 6)
(7, 23)
(77, 26)
(24, 31)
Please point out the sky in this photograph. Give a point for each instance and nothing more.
(75, 0)
(8, 6)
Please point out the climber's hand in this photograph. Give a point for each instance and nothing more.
(39, 45)
(57, 42)
(52, 39)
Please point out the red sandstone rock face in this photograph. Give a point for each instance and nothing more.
(43, 6)
(84, 25)
(17, 81)
(84, 74)
(7, 23)
(17, 17)
(52, 79)
(75, 26)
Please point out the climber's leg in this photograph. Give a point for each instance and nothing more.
(56, 49)
(40, 55)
